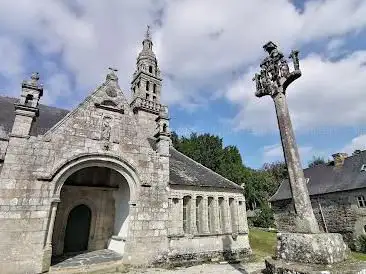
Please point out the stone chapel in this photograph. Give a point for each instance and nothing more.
(105, 176)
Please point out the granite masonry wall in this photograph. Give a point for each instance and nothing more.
(35, 167)
(337, 212)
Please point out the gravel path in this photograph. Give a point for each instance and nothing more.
(250, 268)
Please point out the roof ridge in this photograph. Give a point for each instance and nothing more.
(210, 170)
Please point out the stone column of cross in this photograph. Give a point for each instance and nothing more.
(273, 80)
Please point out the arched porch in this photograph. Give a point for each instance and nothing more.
(102, 187)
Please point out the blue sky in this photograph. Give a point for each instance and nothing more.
(208, 51)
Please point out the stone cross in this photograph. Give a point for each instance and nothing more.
(273, 79)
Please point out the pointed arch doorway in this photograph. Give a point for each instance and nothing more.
(77, 229)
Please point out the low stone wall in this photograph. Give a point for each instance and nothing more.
(186, 250)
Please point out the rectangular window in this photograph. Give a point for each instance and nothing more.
(361, 201)
(147, 96)
(147, 85)
(154, 88)
(186, 214)
(154, 98)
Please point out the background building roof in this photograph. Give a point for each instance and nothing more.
(326, 178)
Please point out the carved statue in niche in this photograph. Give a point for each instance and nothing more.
(106, 128)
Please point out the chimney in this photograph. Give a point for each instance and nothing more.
(339, 159)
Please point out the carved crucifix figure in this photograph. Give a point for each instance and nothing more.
(106, 129)
(275, 78)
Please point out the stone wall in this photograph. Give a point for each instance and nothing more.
(30, 180)
(101, 203)
(335, 212)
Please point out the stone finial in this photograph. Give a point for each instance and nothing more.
(269, 47)
(339, 158)
(148, 34)
(33, 83)
(112, 74)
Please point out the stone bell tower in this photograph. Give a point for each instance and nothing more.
(26, 110)
(146, 86)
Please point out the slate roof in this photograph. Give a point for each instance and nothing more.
(183, 170)
(48, 116)
(326, 178)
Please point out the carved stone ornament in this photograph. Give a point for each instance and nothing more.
(111, 92)
(275, 75)
(106, 129)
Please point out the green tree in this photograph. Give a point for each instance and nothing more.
(316, 161)
(259, 185)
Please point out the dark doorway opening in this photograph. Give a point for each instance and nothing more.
(77, 229)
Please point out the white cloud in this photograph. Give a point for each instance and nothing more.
(358, 142)
(328, 94)
(274, 152)
(199, 43)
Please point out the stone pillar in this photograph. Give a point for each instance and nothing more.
(242, 220)
(205, 215)
(305, 221)
(216, 224)
(235, 217)
(47, 252)
(180, 217)
(51, 225)
(193, 216)
(227, 216)
(274, 78)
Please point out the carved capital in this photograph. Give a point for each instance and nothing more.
(275, 75)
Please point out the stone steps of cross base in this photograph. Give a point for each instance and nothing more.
(110, 268)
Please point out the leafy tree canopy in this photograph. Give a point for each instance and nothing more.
(209, 150)
(316, 161)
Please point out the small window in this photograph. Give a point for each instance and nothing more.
(150, 69)
(165, 128)
(138, 84)
(28, 99)
(364, 228)
(154, 98)
(154, 88)
(147, 85)
(147, 96)
(361, 201)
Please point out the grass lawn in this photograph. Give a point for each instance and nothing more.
(263, 244)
